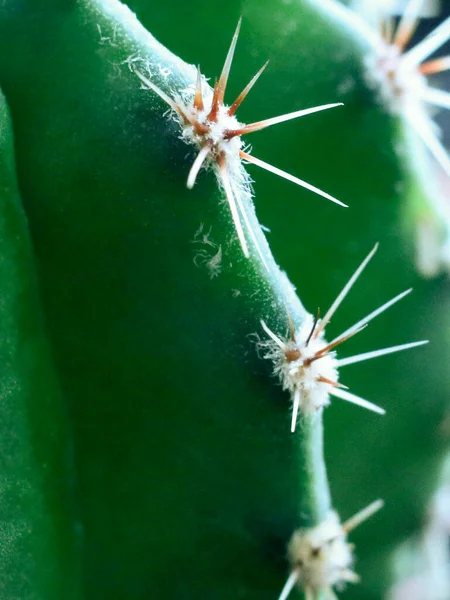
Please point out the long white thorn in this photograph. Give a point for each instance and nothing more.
(373, 314)
(330, 595)
(158, 91)
(289, 585)
(309, 594)
(287, 117)
(408, 23)
(427, 46)
(423, 128)
(436, 97)
(274, 337)
(196, 166)
(344, 395)
(387, 27)
(350, 577)
(362, 516)
(376, 353)
(260, 163)
(295, 408)
(243, 212)
(344, 292)
(234, 212)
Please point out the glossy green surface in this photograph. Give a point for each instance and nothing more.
(178, 430)
(188, 483)
(358, 154)
(37, 519)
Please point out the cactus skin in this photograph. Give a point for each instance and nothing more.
(363, 156)
(37, 558)
(175, 420)
(374, 177)
(170, 407)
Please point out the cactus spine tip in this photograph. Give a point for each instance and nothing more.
(212, 127)
(306, 363)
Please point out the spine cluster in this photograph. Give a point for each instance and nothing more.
(304, 363)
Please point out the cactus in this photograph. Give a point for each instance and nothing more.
(36, 532)
(155, 443)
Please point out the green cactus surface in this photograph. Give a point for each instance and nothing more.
(37, 516)
(146, 444)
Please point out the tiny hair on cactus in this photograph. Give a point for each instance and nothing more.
(320, 557)
(401, 74)
(212, 127)
(208, 254)
(306, 364)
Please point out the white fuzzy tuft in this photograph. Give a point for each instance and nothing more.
(306, 364)
(401, 74)
(321, 554)
(211, 126)
(296, 373)
(398, 85)
(321, 558)
(215, 134)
